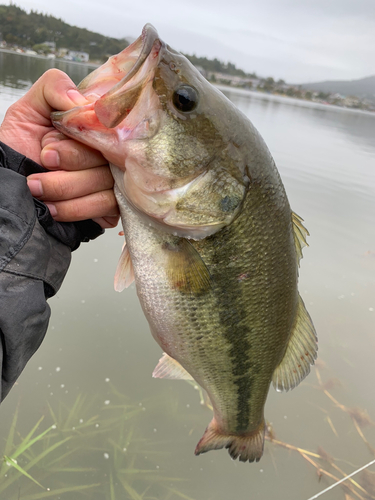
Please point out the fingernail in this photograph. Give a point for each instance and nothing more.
(35, 187)
(52, 209)
(51, 158)
(76, 97)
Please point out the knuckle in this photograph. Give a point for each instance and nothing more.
(106, 203)
(52, 73)
(104, 199)
(72, 156)
(74, 210)
(104, 177)
(48, 76)
(61, 189)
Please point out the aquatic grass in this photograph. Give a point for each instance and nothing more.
(133, 494)
(69, 417)
(71, 469)
(125, 453)
(10, 479)
(344, 479)
(61, 457)
(9, 442)
(204, 399)
(51, 461)
(27, 442)
(148, 475)
(179, 494)
(321, 471)
(111, 487)
(60, 491)
(12, 452)
(323, 461)
(126, 474)
(11, 462)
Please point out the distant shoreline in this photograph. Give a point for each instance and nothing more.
(219, 86)
(37, 56)
(290, 100)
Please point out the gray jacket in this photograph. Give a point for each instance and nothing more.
(35, 253)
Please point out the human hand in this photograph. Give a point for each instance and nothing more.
(79, 185)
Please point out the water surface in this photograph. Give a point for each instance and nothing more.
(130, 436)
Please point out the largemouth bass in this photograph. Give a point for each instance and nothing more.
(211, 240)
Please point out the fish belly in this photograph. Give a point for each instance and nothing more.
(231, 337)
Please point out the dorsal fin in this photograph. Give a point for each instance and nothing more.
(124, 275)
(300, 233)
(169, 368)
(300, 353)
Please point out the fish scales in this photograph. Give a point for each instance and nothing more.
(240, 322)
(211, 241)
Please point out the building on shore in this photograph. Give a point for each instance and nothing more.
(75, 55)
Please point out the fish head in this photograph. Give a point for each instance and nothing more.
(172, 137)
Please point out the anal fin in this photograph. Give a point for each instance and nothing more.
(169, 368)
(300, 353)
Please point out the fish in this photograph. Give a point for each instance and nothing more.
(210, 239)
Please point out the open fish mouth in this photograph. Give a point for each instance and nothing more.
(145, 114)
(114, 88)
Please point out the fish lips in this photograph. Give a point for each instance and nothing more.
(115, 87)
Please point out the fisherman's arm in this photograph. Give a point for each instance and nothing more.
(36, 243)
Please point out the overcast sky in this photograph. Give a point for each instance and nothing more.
(297, 40)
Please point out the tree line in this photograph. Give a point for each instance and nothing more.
(217, 66)
(31, 30)
(17, 27)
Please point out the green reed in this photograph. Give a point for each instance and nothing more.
(63, 458)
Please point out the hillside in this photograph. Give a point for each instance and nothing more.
(363, 88)
(31, 30)
(24, 29)
(21, 30)
(216, 66)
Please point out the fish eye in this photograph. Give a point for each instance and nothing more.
(185, 98)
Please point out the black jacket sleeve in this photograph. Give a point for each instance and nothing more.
(35, 253)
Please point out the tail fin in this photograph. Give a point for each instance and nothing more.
(246, 447)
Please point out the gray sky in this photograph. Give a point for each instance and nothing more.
(297, 40)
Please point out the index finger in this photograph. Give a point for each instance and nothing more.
(68, 154)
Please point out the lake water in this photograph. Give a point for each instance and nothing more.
(121, 434)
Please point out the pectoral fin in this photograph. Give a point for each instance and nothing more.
(169, 368)
(124, 275)
(185, 268)
(300, 353)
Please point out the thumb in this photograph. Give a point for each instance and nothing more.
(53, 91)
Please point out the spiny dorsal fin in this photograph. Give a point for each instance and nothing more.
(186, 269)
(124, 275)
(169, 368)
(300, 233)
(300, 353)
